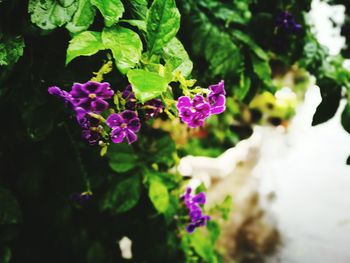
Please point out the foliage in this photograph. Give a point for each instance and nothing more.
(133, 190)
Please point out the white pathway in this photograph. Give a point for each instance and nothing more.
(306, 170)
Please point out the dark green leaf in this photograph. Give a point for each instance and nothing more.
(138, 8)
(125, 44)
(122, 162)
(163, 22)
(176, 55)
(96, 253)
(11, 49)
(123, 196)
(10, 212)
(246, 39)
(84, 44)
(331, 95)
(111, 10)
(345, 118)
(263, 71)
(83, 17)
(5, 255)
(158, 193)
(49, 14)
(146, 85)
(242, 90)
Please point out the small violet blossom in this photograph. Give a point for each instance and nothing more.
(196, 215)
(91, 96)
(81, 198)
(195, 111)
(124, 125)
(152, 107)
(286, 23)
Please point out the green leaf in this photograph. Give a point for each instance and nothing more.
(246, 39)
(203, 246)
(5, 255)
(123, 196)
(214, 231)
(126, 46)
(140, 24)
(176, 55)
(96, 253)
(122, 162)
(138, 8)
(345, 118)
(331, 95)
(111, 10)
(11, 49)
(262, 69)
(163, 22)
(242, 90)
(223, 56)
(159, 195)
(10, 212)
(84, 44)
(49, 14)
(83, 17)
(146, 85)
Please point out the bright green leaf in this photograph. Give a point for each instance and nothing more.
(146, 85)
(163, 22)
(83, 17)
(49, 14)
(176, 55)
(125, 44)
(123, 196)
(84, 44)
(140, 24)
(159, 195)
(203, 246)
(111, 10)
(138, 8)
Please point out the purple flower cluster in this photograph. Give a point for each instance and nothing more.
(124, 125)
(285, 22)
(196, 215)
(86, 99)
(152, 107)
(195, 111)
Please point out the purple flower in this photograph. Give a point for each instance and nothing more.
(81, 198)
(129, 96)
(124, 125)
(285, 22)
(193, 112)
(62, 94)
(153, 108)
(91, 96)
(195, 212)
(217, 98)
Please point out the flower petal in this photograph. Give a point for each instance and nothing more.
(78, 91)
(183, 101)
(104, 91)
(218, 88)
(99, 105)
(114, 120)
(117, 135)
(130, 136)
(134, 125)
(128, 115)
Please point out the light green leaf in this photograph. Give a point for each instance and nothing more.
(84, 44)
(123, 196)
(176, 55)
(83, 17)
(125, 44)
(49, 14)
(163, 22)
(146, 85)
(140, 24)
(159, 195)
(203, 246)
(122, 162)
(111, 10)
(11, 49)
